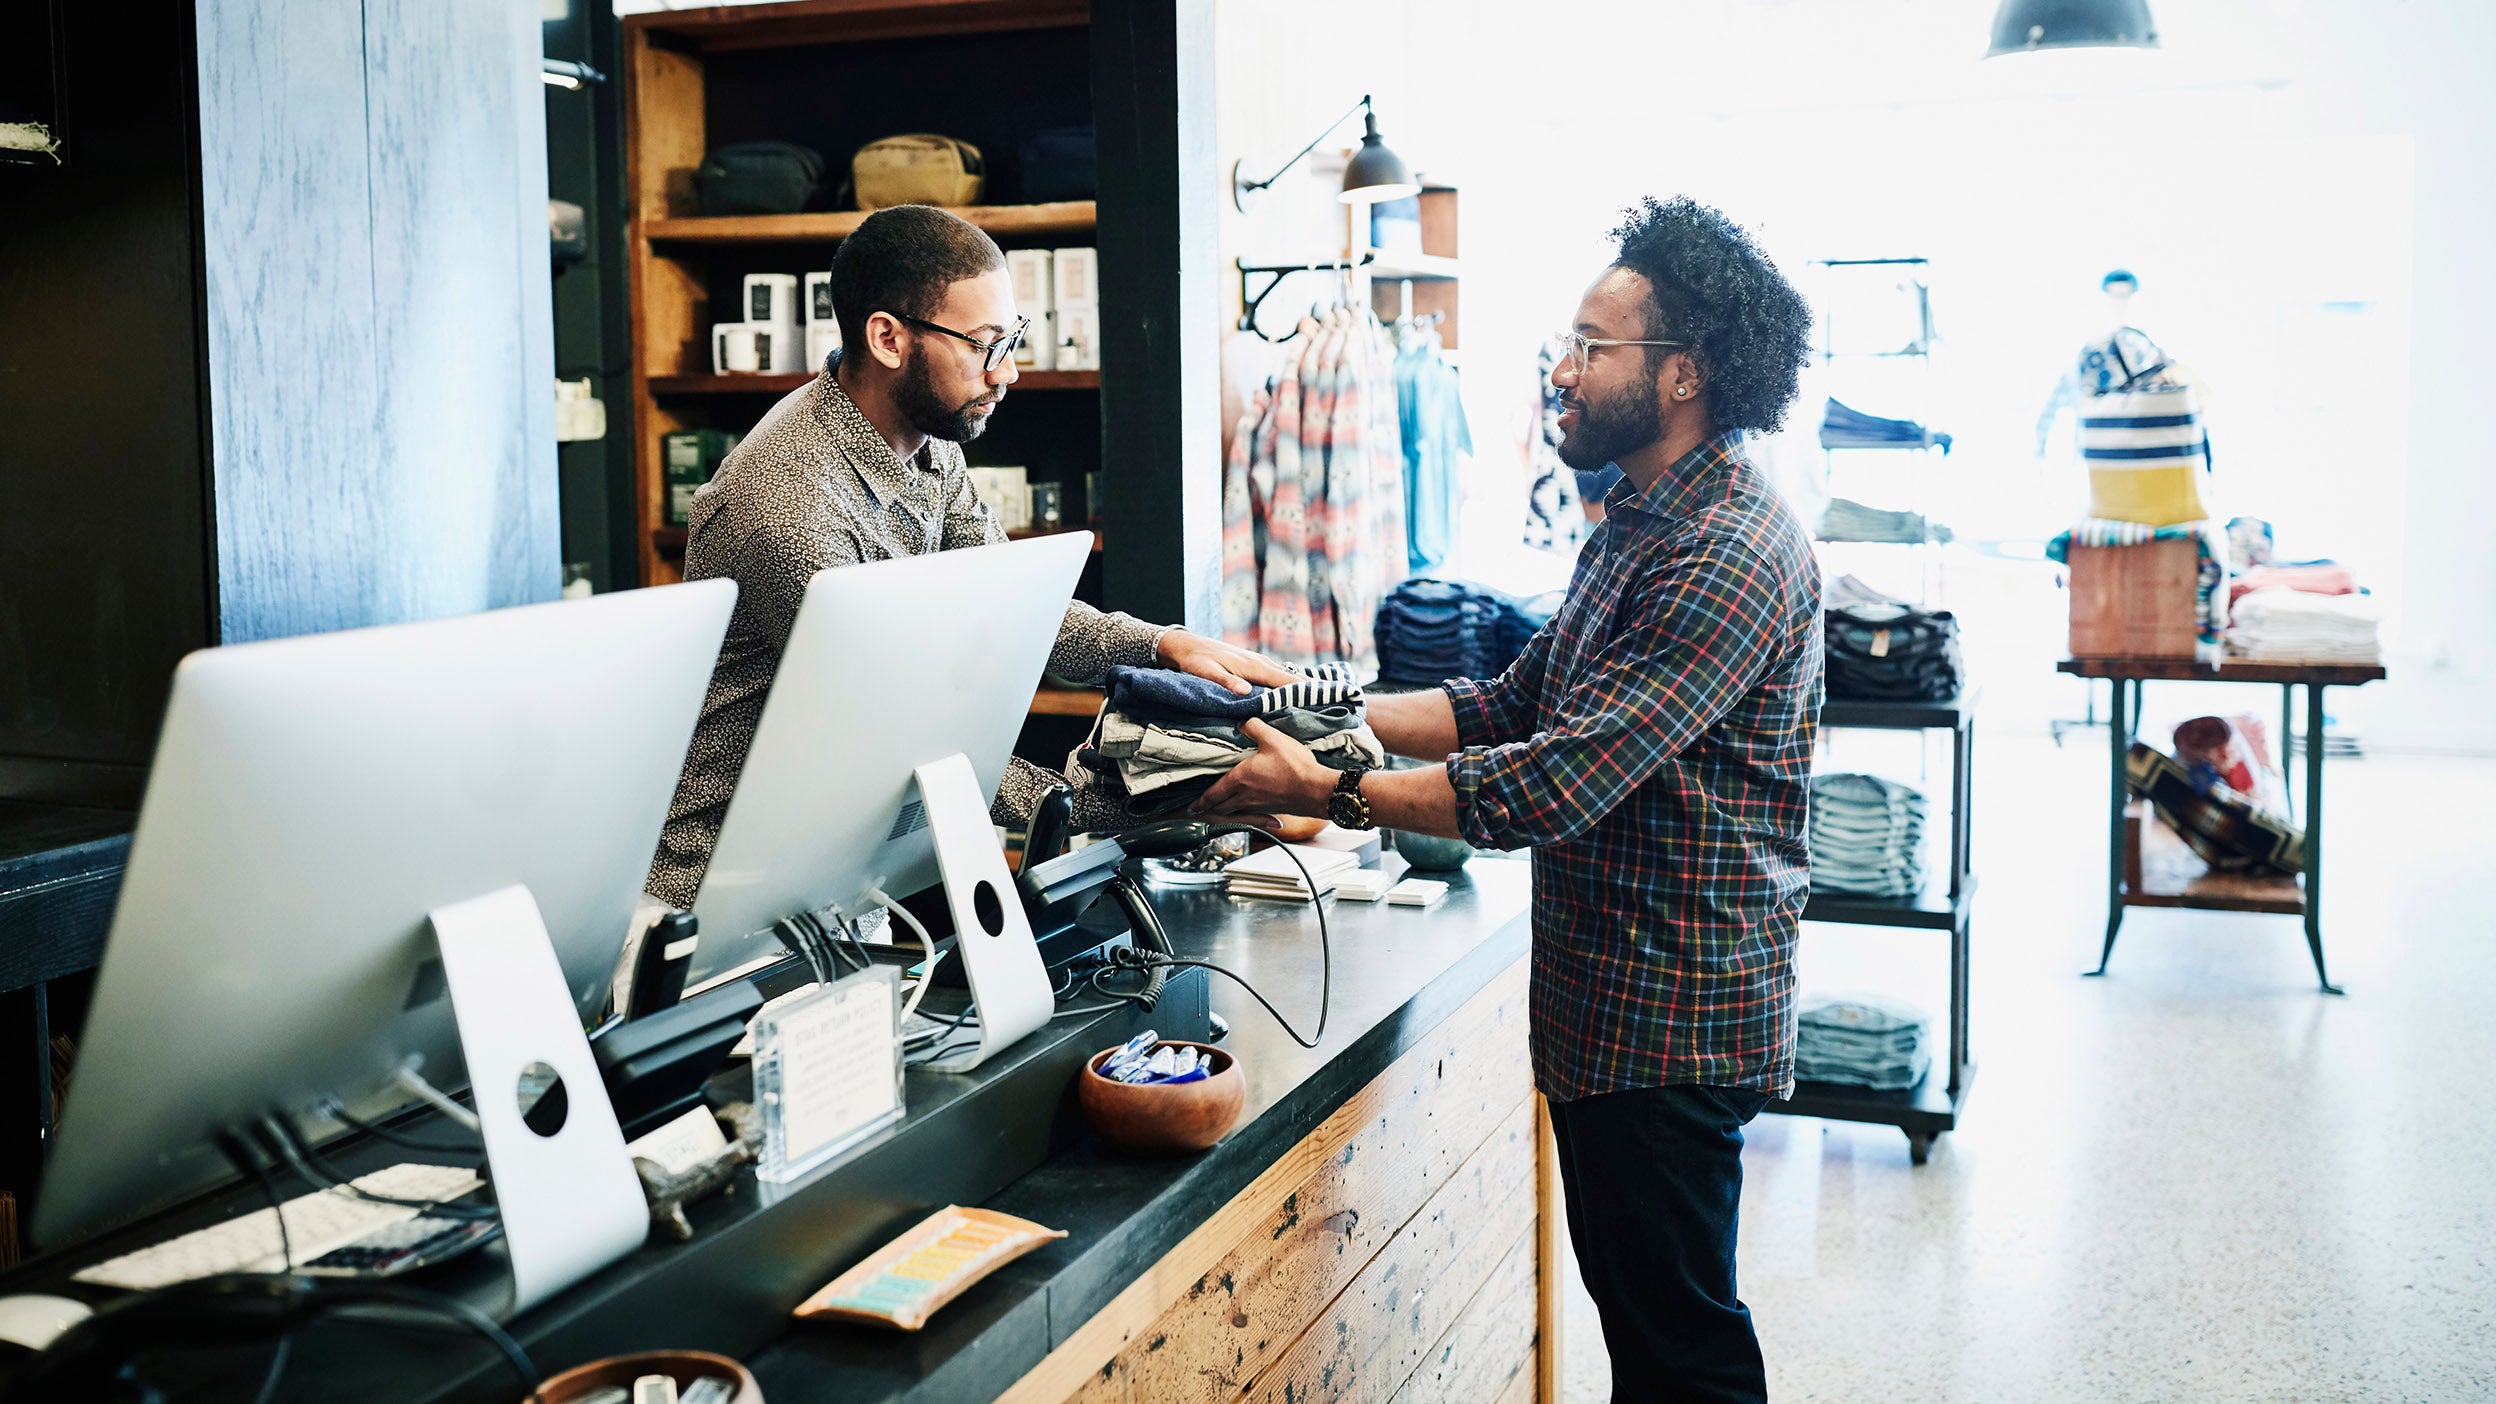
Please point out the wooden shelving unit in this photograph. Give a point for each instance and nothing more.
(1002, 221)
(833, 75)
(697, 79)
(750, 384)
(1418, 284)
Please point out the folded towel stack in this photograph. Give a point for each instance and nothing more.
(1861, 1041)
(2281, 625)
(1867, 836)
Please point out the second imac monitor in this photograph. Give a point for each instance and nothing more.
(890, 666)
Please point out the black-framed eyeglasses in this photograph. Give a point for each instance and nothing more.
(998, 352)
(1574, 349)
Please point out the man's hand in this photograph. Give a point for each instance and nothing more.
(1281, 778)
(1228, 664)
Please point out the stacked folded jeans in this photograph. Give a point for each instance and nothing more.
(1842, 426)
(1846, 520)
(1867, 836)
(1432, 630)
(1164, 738)
(1885, 650)
(1861, 1041)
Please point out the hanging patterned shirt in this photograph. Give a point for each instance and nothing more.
(1653, 745)
(816, 486)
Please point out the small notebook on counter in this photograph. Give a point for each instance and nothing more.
(1271, 873)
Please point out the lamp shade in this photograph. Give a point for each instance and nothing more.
(1375, 173)
(2024, 26)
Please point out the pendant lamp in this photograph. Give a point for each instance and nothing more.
(2026, 26)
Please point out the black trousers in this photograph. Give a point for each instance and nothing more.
(1654, 1184)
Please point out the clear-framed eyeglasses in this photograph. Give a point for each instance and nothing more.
(1575, 348)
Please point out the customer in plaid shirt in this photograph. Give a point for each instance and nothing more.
(1653, 747)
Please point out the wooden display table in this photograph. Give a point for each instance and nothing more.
(2218, 892)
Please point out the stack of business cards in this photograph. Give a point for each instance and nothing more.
(1271, 873)
(1363, 885)
(1416, 892)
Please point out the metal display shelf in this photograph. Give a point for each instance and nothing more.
(2278, 895)
(1932, 1106)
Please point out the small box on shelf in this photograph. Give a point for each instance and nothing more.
(693, 456)
(2134, 601)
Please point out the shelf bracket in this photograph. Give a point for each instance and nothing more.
(1274, 274)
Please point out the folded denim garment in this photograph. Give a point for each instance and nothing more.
(1430, 630)
(1861, 1041)
(1881, 649)
(1147, 769)
(1118, 734)
(1867, 835)
(1159, 694)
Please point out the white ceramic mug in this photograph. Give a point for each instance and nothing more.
(733, 349)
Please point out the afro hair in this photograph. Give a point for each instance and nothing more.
(1746, 327)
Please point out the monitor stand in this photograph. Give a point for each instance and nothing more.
(569, 1199)
(1009, 985)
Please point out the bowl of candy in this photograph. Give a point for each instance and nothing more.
(1152, 1096)
(699, 1378)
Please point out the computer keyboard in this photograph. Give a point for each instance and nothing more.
(316, 1225)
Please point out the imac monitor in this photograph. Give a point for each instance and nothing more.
(890, 665)
(312, 801)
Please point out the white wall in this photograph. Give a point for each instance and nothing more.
(2260, 173)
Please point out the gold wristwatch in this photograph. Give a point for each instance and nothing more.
(1346, 805)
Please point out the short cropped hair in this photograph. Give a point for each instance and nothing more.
(901, 260)
(1744, 325)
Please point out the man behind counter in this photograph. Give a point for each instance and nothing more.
(1653, 746)
(864, 463)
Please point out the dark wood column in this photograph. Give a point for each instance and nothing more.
(1152, 103)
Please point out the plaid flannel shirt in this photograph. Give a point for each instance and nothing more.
(1653, 746)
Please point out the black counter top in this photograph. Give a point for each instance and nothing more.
(60, 870)
(1398, 974)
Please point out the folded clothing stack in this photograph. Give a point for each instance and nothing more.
(1885, 650)
(1867, 836)
(2281, 625)
(1842, 426)
(1847, 520)
(2313, 577)
(1861, 1041)
(1271, 873)
(1432, 630)
(1165, 737)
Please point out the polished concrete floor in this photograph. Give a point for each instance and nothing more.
(2195, 1179)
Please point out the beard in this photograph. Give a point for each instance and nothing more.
(930, 414)
(1611, 429)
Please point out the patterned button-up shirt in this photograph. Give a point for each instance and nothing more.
(816, 486)
(1653, 745)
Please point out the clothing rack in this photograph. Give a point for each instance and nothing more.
(1275, 273)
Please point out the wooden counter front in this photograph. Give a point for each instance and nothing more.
(1399, 1252)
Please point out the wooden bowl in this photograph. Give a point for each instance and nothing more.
(685, 1366)
(1174, 1119)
